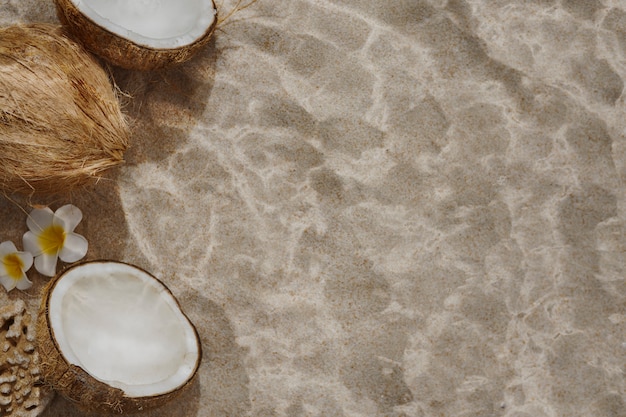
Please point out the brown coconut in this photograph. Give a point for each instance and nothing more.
(60, 120)
(79, 385)
(122, 51)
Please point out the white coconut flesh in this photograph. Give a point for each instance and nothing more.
(157, 24)
(124, 328)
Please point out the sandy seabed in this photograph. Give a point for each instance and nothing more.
(381, 208)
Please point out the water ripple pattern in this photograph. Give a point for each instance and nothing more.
(391, 208)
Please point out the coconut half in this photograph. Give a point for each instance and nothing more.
(113, 338)
(146, 34)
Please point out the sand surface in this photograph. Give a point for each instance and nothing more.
(382, 208)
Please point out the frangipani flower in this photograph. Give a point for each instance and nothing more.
(13, 265)
(51, 236)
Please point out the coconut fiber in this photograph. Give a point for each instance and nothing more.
(60, 120)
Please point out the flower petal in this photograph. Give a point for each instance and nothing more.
(70, 216)
(31, 244)
(23, 283)
(46, 264)
(39, 219)
(7, 282)
(27, 260)
(6, 248)
(74, 249)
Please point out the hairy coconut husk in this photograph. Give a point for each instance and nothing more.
(60, 120)
(121, 51)
(77, 385)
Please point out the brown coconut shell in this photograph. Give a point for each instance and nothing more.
(60, 120)
(120, 51)
(76, 384)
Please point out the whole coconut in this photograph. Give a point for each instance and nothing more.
(60, 120)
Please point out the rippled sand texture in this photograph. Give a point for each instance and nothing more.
(385, 208)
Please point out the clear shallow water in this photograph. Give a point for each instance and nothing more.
(387, 208)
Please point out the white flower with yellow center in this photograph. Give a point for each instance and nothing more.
(13, 265)
(51, 236)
